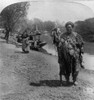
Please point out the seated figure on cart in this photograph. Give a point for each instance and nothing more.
(38, 44)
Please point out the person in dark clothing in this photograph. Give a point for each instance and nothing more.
(30, 37)
(7, 33)
(38, 43)
(25, 43)
(24, 35)
(69, 51)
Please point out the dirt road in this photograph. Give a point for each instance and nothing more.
(34, 76)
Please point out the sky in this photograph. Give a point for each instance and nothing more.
(61, 11)
(57, 10)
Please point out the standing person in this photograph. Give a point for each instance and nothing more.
(7, 35)
(55, 37)
(25, 43)
(37, 40)
(69, 51)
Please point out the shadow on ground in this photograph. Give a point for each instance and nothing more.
(41, 51)
(51, 83)
(21, 52)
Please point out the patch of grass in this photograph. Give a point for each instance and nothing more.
(89, 48)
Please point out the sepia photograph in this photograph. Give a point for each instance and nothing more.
(46, 50)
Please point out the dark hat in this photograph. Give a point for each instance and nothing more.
(69, 23)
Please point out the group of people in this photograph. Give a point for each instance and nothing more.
(70, 49)
(31, 41)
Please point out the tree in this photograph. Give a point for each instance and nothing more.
(20, 26)
(12, 14)
(49, 25)
(86, 29)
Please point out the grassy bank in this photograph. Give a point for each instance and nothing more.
(89, 48)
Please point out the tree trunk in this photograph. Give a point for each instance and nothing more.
(7, 36)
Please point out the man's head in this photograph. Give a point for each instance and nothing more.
(69, 27)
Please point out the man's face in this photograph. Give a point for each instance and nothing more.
(69, 28)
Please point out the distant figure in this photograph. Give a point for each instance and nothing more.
(38, 43)
(30, 37)
(25, 42)
(7, 33)
(25, 34)
(55, 35)
(70, 48)
(19, 38)
(37, 39)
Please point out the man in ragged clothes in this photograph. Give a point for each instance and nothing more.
(69, 53)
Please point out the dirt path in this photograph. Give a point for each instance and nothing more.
(9, 79)
(34, 76)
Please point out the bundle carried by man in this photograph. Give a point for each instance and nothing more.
(70, 45)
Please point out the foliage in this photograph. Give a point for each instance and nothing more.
(86, 29)
(11, 14)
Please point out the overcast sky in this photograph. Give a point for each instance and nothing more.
(61, 11)
(57, 10)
